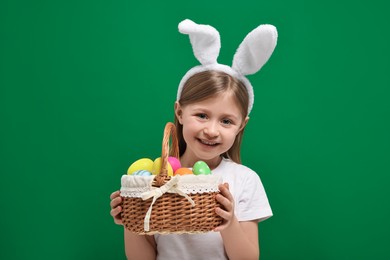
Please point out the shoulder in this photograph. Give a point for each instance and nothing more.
(251, 202)
(233, 172)
(228, 166)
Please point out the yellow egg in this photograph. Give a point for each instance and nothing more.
(183, 171)
(141, 164)
(157, 167)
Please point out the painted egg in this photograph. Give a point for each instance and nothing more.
(157, 167)
(174, 162)
(183, 171)
(200, 167)
(141, 164)
(142, 173)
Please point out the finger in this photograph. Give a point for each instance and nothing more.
(224, 185)
(115, 194)
(220, 228)
(222, 213)
(118, 221)
(225, 202)
(224, 191)
(115, 212)
(116, 202)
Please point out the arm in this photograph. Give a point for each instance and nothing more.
(137, 247)
(239, 238)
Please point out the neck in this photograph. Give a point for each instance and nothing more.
(187, 161)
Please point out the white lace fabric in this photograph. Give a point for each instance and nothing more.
(134, 186)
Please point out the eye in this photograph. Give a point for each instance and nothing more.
(227, 121)
(202, 116)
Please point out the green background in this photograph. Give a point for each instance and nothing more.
(87, 86)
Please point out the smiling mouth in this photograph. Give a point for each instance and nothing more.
(209, 143)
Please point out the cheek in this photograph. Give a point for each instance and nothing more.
(190, 125)
(188, 131)
(231, 136)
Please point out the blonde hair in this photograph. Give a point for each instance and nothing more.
(204, 85)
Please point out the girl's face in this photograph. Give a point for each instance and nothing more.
(209, 128)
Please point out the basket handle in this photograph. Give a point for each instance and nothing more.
(169, 132)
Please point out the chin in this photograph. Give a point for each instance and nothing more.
(207, 157)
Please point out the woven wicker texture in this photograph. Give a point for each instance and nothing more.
(171, 213)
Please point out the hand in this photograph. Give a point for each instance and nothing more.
(225, 198)
(116, 208)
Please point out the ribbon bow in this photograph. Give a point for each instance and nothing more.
(171, 187)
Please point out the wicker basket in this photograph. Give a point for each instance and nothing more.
(169, 205)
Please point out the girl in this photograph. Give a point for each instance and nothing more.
(211, 112)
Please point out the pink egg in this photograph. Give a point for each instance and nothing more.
(174, 162)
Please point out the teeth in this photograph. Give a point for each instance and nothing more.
(208, 143)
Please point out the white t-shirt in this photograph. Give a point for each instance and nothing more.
(251, 203)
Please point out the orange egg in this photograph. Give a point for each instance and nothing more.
(183, 171)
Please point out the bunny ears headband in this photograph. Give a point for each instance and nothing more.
(251, 55)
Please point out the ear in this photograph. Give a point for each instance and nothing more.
(243, 124)
(255, 50)
(178, 112)
(204, 39)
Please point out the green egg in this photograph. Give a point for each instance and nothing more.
(200, 167)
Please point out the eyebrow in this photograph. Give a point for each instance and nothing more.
(208, 111)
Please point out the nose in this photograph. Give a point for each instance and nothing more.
(211, 129)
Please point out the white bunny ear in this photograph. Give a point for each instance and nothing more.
(204, 39)
(255, 50)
